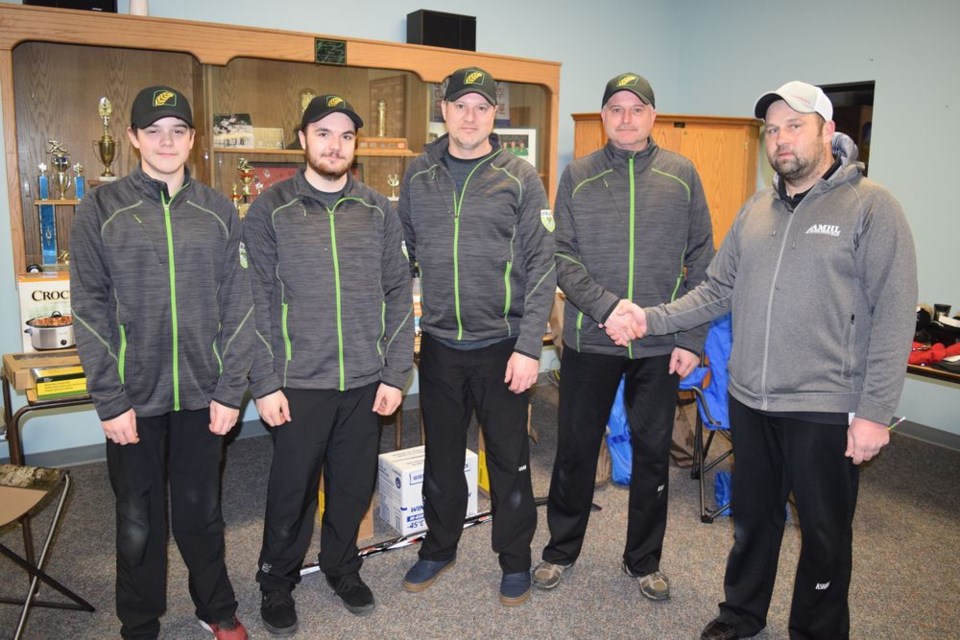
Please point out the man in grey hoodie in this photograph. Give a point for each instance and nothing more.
(820, 273)
(478, 224)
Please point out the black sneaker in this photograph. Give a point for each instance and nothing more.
(356, 595)
(279, 612)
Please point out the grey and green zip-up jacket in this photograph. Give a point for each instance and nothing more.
(162, 307)
(630, 225)
(332, 289)
(486, 254)
(823, 297)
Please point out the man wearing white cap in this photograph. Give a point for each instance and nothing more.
(820, 272)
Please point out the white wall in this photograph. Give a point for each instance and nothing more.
(701, 56)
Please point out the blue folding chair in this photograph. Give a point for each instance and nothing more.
(708, 382)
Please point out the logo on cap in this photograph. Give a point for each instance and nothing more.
(627, 81)
(333, 101)
(474, 77)
(164, 98)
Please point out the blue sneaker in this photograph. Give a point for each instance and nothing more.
(424, 573)
(514, 588)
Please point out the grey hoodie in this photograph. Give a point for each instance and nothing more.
(823, 297)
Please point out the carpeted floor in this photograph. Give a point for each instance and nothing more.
(906, 580)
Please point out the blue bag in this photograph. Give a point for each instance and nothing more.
(618, 440)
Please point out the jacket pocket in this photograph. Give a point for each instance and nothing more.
(848, 348)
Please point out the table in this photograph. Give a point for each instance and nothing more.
(16, 372)
(929, 371)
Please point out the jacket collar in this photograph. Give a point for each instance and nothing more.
(436, 149)
(306, 190)
(617, 156)
(152, 189)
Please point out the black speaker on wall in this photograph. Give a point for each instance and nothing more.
(439, 29)
(107, 6)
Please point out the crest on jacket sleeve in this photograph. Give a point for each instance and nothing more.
(244, 260)
(546, 218)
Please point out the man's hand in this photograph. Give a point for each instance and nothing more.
(865, 438)
(222, 418)
(387, 400)
(522, 372)
(274, 409)
(122, 429)
(683, 362)
(626, 323)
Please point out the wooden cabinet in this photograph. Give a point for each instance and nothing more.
(55, 64)
(724, 150)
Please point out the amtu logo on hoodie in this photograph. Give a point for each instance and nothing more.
(825, 229)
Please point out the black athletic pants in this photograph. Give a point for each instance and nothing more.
(336, 432)
(452, 383)
(138, 477)
(772, 457)
(588, 384)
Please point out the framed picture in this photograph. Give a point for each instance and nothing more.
(268, 173)
(520, 142)
(435, 130)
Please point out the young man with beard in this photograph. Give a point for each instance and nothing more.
(633, 228)
(477, 222)
(334, 313)
(164, 324)
(820, 273)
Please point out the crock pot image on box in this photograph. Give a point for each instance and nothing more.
(51, 332)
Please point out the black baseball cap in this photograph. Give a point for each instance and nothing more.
(157, 102)
(322, 106)
(632, 82)
(471, 80)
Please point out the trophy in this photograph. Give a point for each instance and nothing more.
(381, 118)
(61, 163)
(393, 181)
(106, 146)
(245, 171)
(79, 181)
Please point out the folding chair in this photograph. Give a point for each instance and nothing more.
(711, 393)
(22, 490)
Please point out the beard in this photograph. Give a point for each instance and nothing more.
(328, 171)
(797, 169)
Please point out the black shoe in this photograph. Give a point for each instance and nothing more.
(278, 612)
(356, 595)
(719, 630)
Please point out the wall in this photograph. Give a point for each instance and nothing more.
(735, 51)
(702, 57)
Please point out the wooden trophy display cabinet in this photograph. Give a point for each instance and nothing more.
(724, 151)
(247, 87)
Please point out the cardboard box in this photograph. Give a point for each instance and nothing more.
(18, 367)
(40, 295)
(59, 382)
(366, 524)
(400, 483)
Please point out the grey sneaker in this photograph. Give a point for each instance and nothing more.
(547, 575)
(653, 586)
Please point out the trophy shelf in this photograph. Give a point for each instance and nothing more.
(64, 202)
(49, 92)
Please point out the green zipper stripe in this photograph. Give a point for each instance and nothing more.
(336, 278)
(676, 287)
(507, 291)
(591, 179)
(457, 204)
(287, 346)
(579, 327)
(168, 223)
(216, 354)
(121, 361)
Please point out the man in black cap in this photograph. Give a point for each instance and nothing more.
(820, 273)
(478, 225)
(164, 329)
(334, 313)
(633, 228)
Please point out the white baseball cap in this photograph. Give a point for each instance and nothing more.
(799, 96)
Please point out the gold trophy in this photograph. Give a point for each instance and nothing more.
(381, 118)
(106, 146)
(245, 171)
(61, 163)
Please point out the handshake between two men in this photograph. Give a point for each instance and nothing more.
(627, 322)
